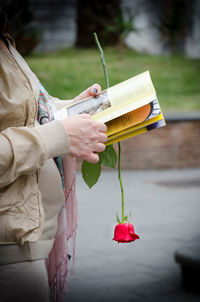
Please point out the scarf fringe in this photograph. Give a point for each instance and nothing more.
(58, 260)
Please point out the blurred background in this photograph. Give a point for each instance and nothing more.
(154, 26)
(162, 36)
(161, 169)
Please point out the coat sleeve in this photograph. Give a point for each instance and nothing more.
(24, 150)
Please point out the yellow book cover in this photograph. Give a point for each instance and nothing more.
(127, 108)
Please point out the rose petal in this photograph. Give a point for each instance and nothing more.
(124, 232)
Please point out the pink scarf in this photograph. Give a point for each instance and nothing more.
(57, 262)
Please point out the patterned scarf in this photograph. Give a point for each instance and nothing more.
(45, 115)
(58, 259)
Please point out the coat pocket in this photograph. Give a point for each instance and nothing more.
(21, 203)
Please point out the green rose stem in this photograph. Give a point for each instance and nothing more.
(102, 60)
(120, 179)
(119, 145)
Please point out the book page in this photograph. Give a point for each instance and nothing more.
(139, 129)
(131, 90)
(133, 118)
(116, 100)
(91, 105)
(125, 136)
(121, 109)
(135, 127)
(127, 120)
(127, 96)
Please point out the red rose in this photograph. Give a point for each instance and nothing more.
(124, 232)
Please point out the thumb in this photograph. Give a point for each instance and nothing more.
(91, 91)
(86, 116)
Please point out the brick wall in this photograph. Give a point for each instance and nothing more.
(175, 146)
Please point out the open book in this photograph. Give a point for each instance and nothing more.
(128, 108)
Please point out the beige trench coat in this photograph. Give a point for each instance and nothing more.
(24, 149)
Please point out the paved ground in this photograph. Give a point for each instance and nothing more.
(165, 208)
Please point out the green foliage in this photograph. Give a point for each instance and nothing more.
(91, 172)
(121, 26)
(117, 217)
(108, 157)
(124, 219)
(67, 73)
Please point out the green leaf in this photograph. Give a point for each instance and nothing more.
(101, 156)
(118, 220)
(126, 218)
(90, 173)
(109, 158)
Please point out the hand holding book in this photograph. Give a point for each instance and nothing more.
(128, 108)
(87, 137)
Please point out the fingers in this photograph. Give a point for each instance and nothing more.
(91, 91)
(86, 116)
(95, 89)
(86, 136)
(93, 158)
(103, 138)
(101, 127)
